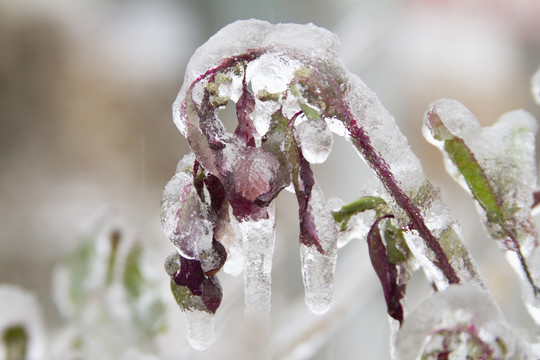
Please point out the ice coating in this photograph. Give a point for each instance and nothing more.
(497, 166)
(458, 323)
(291, 91)
(506, 150)
(535, 86)
(200, 329)
(230, 236)
(318, 267)
(183, 216)
(316, 141)
(258, 247)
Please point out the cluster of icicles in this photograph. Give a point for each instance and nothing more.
(291, 92)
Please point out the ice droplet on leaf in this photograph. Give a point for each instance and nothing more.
(318, 267)
(316, 140)
(258, 245)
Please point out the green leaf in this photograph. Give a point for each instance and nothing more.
(114, 239)
(133, 279)
(475, 177)
(79, 265)
(185, 298)
(397, 250)
(310, 113)
(364, 203)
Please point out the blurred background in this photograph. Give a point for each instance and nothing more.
(86, 133)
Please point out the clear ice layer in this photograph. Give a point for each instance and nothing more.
(258, 247)
(497, 166)
(306, 51)
(460, 322)
(200, 329)
(183, 215)
(318, 268)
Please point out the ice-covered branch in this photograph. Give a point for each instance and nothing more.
(291, 91)
(497, 166)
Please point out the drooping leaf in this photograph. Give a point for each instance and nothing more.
(304, 181)
(467, 164)
(503, 182)
(387, 271)
(245, 129)
(191, 288)
(114, 241)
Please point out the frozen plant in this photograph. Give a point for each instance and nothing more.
(106, 287)
(291, 93)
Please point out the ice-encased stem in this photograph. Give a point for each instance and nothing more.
(258, 244)
(496, 165)
(436, 243)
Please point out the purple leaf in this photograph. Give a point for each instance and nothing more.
(204, 293)
(386, 271)
(211, 294)
(190, 275)
(218, 195)
(244, 107)
(304, 182)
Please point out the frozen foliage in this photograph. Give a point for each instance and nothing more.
(192, 233)
(258, 237)
(318, 267)
(459, 323)
(291, 91)
(103, 288)
(497, 166)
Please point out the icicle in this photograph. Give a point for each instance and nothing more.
(258, 244)
(318, 268)
(200, 329)
(228, 233)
